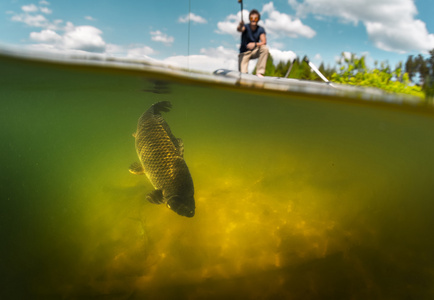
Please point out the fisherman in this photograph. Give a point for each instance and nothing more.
(253, 44)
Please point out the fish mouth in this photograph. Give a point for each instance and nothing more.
(182, 206)
(188, 214)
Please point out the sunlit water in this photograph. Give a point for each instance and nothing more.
(295, 198)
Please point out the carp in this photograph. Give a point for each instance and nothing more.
(161, 157)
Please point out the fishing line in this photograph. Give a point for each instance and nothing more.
(188, 42)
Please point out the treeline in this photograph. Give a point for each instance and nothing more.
(424, 69)
(415, 77)
(299, 70)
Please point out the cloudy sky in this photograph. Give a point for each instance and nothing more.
(382, 30)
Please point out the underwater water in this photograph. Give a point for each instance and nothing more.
(295, 198)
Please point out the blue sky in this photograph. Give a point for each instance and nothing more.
(382, 30)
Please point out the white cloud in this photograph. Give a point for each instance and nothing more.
(29, 8)
(193, 18)
(344, 55)
(358, 10)
(220, 52)
(32, 8)
(55, 36)
(275, 23)
(401, 37)
(89, 18)
(140, 52)
(209, 60)
(31, 20)
(347, 55)
(391, 25)
(45, 10)
(31, 16)
(134, 52)
(317, 59)
(86, 38)
(55, 25)
(158, 36)
(69, 26)
(82, 38)
(282, 56)
(280, 24)
(276, 45)
(45, 36)
(229, 25)
(115, 50)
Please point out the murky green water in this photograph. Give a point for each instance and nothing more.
(295, 198)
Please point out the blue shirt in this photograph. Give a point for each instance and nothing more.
(249, 36)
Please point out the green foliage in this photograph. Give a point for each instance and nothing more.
(429, 79)
(417, 79)
(270, 69)
(281, 69)
(354, 71)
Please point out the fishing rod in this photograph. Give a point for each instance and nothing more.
(290, 68)
(241, 2)
(312, 66)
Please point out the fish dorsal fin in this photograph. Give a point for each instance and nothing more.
(136, 169)
(177, 142)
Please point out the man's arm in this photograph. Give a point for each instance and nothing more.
(241, 27)
(262, 40)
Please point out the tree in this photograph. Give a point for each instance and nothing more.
(431, 63)
(429, 82)
(410, 67)
(295, 71)
(281, 69)
(422, 68)
(270, 69)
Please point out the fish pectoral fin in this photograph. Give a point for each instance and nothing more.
(136, 169)
(155, 197)
(181, 147)
(134, 134)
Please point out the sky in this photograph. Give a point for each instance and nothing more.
(381, 30)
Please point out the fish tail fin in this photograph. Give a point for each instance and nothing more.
(161, 106)
(155, 110)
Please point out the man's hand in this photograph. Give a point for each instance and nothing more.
(240, 27)
(251, 46)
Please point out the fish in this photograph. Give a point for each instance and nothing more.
(161, 157)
